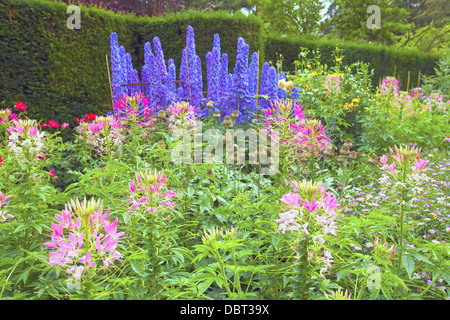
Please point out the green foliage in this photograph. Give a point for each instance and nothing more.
(439, 82)
(350, 21)
(288, 17)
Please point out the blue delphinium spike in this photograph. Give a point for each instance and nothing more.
(197, 92)
(183, 78)
(253, 81)
(273, 84)
(124, 72)
(146, 79)
(159, 55)
(172, 87)
(223, 88)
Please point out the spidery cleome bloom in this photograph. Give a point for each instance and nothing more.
(182, 116)
(148, 192)
(404, 162)
(102, 134)
(3, 215)
(312, 212)
(389, 86)
(83, 238)
(25, 141)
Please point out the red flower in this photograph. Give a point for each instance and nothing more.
(90, 116)
(20, 106)
(52, 173)
(77, 120)
(53, 124)
(43, 125)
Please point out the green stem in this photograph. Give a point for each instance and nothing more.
(402, 218)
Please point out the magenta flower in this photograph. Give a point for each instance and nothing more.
(420, 164)
(82, 234)
(292, 199)
(310, 206)
(132, 187)
(52, 173)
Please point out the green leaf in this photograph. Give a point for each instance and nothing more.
(446, 275)
(374, 294)
(202, 287)
(420, 257)
(409, 264)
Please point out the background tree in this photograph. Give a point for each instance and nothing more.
(348, 21)
(290, 17)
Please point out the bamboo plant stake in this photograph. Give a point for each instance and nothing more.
(409, 78)
(257, 88)
(109, 76)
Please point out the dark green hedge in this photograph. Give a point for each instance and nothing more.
(61, 74)
(385, 61)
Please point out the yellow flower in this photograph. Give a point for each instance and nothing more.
(314, 73)
(308, 66)
(338, 59)
(355, 100)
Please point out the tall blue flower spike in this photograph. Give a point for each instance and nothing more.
(253, 82)
(223, 86)
(240, 81)
(197, 93)
(183, 78)
(172, 76)
(116, 67)
(273, 84)
(162, 71)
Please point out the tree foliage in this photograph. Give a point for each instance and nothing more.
(348, 21)
(290, 17)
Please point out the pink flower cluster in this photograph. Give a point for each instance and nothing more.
(307, 136)
(389, 86)
(403, 158)
(102, 133)
(83, 236)
(25, 141)
(3, 215)
(182, 116)
(332, 83)
(147, 192)
(435, 101)
(6, 115)
(317, 221)
(416, 94)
